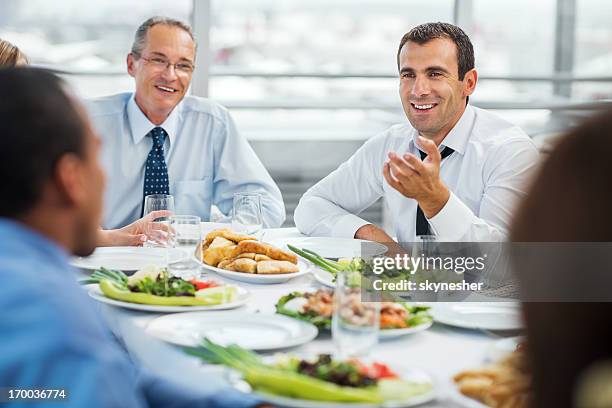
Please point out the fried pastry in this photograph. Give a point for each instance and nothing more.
(218, 250)
(276, 267)
(242, 265)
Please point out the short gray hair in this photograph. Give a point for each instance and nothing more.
(141, 33)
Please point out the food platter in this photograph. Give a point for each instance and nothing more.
(257, 278)
(315, 307)
(245, 258)
(242, 296)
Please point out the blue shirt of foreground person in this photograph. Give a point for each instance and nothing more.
(207, 160)
(52, 336)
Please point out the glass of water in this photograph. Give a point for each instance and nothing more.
(185, 232)
(157, 230)
(355, 324)
(246, 215)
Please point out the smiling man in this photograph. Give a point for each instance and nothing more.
(455, 171)
(158, 140)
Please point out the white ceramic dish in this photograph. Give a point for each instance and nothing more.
(252, 331)
(242, 296)
(335, 248)
(323, 277)
(408, 374)
(128, 259)
(479, 315)
(304, 268)
(296, 304)
(502, 347)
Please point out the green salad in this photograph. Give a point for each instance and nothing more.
(320, 379)
(155, 286)
(317, 308)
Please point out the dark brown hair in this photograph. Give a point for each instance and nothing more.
(569, 202)
(571, 197)
(39, 123)
(426, 32)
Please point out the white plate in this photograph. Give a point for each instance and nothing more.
(252, 331)
(304, 268)
(501, 348)
(242, 296)
(128, 258)
(334, 248)
(386, 334)
(479, 315)
(323, 277)
(295, 305)
(461, 400)
(408, 374)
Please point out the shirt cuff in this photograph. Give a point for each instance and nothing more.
(347, 226)
(453, 221)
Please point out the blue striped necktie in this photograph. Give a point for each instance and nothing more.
(156, 172)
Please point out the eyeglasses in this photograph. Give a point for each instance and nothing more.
(161, 64)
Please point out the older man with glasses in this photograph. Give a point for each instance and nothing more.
(157, 140)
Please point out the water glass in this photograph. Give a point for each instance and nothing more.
(157, 230)
(185, 232)
(355, 324)
(246, 215)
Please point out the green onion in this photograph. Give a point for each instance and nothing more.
(317, 260)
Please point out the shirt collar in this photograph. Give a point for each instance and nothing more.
(459, 135)
(140, 125)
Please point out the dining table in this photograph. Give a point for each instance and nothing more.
(442, 351)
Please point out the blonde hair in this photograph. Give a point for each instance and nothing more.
(10, 55)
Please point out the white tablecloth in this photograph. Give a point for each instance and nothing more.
(441, 350)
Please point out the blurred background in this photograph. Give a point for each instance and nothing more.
(309, 81)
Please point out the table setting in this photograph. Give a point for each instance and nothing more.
(288, 317)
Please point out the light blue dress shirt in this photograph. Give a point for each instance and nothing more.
(208, 161)
(52, 336)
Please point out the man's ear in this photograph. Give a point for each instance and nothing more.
(469, 81)
(131, 61)
(69, 180)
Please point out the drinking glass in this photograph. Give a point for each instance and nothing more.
(186, 230)
(432, 252)
(184, 233)
(157, 230)
(355, 324)
(246, 215)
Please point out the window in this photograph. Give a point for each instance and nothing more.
(593, 52)
(92, 37)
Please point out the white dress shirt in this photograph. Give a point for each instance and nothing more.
(487, 174)
(208, 161)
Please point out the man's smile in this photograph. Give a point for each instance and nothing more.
(165, 88)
